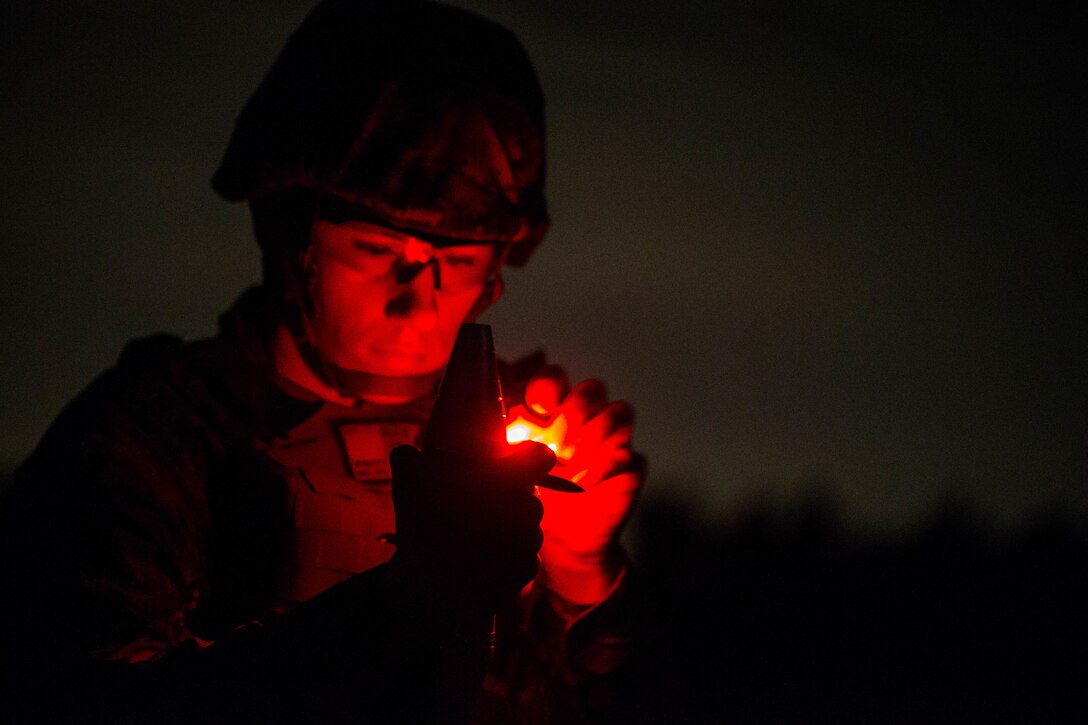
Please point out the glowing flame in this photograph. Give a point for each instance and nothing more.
(552, 435)
(518, 432)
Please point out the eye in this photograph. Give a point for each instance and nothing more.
(371, 248)
(460, 260)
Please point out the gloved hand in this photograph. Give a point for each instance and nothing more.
(471, 528)
(581, 560)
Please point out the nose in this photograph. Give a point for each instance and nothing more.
(407, 272)
(414, 301)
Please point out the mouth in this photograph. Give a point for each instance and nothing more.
(408, 353)
(409, 342)
(398, 352)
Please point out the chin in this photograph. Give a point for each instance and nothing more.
(394, 363)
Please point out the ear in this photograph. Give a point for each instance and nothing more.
(491, 294)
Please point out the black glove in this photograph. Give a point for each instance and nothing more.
(470, 528)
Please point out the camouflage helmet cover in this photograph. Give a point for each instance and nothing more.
(420, 116)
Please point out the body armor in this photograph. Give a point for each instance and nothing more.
(339, 493)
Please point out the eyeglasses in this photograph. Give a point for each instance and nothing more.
(379, 253)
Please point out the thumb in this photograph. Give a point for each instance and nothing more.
(525, 465)
(405, 463)
(404, 456)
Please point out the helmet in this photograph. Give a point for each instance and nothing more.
(414, 115)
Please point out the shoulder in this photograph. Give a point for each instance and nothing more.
(136, 428)
(150, 351)
(106, 521)
(127, 459)
(145, 391)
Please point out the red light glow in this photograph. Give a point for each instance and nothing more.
(551, 435)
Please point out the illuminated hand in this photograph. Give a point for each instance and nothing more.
(581, 560)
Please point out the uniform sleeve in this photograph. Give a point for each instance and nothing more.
(104, 532)
(552, 669)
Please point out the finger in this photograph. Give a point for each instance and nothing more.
(607, 463)
(407, 464)
(592, 462)
(526, 464)
(546, 390)
(405, 461)
(612, 460)
(614, 419)
(521, 511)
(586, 399)
(518, 522)
(621, 484)
(597, 441)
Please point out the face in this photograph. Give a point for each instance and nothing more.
(388, 303)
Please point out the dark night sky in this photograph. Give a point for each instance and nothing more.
(831, 242)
